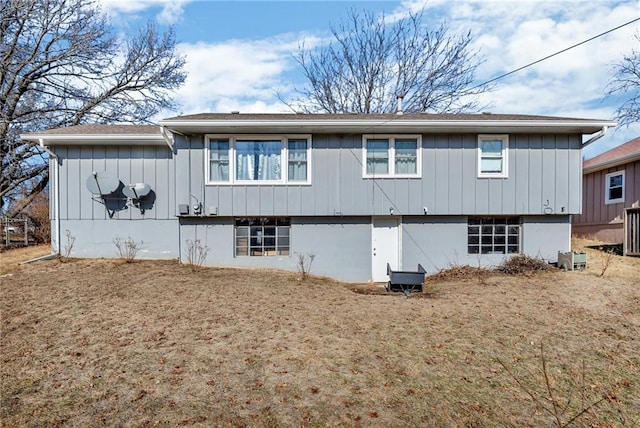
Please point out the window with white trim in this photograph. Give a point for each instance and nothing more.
(391, 156)
(262, 236)
(256, 159)
(493, 235)
(614, 187)
(492, 156)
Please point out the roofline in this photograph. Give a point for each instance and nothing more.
(132, 139)
(584, 126)
(611, 163)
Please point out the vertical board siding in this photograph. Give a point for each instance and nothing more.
(594, 209)
(130, 164)
(542, 178)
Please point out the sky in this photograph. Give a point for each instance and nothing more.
(239, 54)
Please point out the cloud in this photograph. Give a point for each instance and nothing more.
(244, 75)
(171, 11)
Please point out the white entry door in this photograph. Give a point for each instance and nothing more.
(384, 247)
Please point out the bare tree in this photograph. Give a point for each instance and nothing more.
(61, 65)
(626, 83)
(371, 62)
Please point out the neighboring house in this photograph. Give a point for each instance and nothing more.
(356, 191)
(611, 184)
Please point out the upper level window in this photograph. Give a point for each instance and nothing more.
(391, 156)
(614, 187)
(253, 159)
(492, 155)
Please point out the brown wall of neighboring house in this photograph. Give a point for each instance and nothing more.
(605, 221)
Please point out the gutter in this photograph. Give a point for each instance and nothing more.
(596, 137)
(55, 180)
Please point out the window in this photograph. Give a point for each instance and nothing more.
(262, 236)
(297, 160)
(492, 156)
(391, 156)
(614, 187)
(493, 235)
(219, 160)
(252, 159)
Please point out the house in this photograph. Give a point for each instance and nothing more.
(611, 188)
(356, 191)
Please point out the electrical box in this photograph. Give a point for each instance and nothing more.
(572, 260)
(183, 209)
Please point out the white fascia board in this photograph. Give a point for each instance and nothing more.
(135, 139)
(361, 125)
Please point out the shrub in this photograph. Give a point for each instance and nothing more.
(128, 249)
(196, 253)
(522, 264)
(38, 214)
(304, 264)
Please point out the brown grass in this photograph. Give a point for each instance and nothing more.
(103, 342)
(10, 259)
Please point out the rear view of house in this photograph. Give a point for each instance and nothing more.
(355, 191)
(611, 197)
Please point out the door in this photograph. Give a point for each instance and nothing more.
(384, 247)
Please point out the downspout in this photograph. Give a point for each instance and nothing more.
(596, 137)
(56, 193)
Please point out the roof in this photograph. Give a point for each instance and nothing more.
(362, 116)
(104, 130)
(624, 153)
(247, 123)
(389, 123)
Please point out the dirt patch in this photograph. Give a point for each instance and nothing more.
(102, 342)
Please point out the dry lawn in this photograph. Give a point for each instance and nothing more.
(153, 343)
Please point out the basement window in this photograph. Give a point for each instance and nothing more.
(614, 187)
(493, 235)
(262, 236)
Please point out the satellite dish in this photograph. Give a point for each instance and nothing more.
(101, 183)
(136, 190)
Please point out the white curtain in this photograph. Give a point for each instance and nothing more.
(406, 156)
(297, 160)
(258, 160)
(377, 156)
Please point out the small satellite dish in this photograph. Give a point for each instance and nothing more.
(136, 190)
(101, 183)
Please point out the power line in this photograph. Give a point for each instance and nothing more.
(556, 53)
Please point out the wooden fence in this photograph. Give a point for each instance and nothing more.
(15, 231)
(631, 245)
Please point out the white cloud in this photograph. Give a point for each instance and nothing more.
(243, 75)
(171, 10)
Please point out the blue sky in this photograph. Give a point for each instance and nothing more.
(239, 53)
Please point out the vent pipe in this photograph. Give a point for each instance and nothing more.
(400, 98)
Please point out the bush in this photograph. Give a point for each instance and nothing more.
(38, 214)
(522, 264)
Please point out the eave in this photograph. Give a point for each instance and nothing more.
(385, 126)
(103, 139)
(612, 163)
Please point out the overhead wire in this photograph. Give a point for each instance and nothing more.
(371, 127)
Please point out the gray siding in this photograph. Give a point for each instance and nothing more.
(321, 236)
(440, 242)
(131, 164)
(95, 238)
(543, 178)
